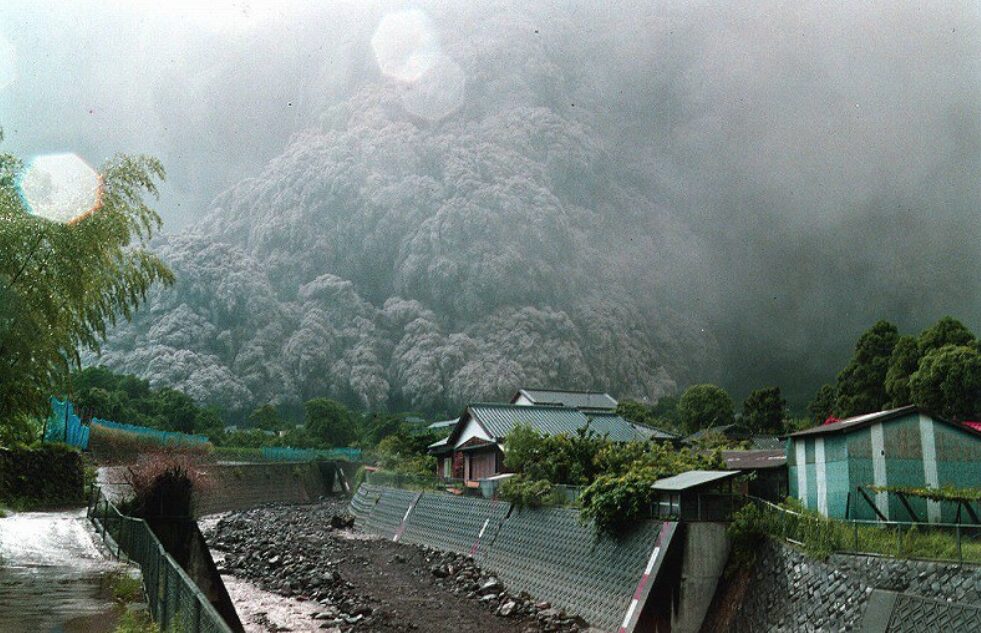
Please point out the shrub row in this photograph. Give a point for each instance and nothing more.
(50, 475)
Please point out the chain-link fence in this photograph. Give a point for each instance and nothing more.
(175, 601)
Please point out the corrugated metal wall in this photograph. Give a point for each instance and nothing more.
(910, 451)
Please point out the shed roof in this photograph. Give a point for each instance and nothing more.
(754, 459)
(567, 398)
(861, 421)
(729, 431)
(693, 479)
(441, 446)
(499, 419)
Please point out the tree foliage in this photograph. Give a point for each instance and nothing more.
(329, 422)
(618, 498)
(63, 285)
(101, 393)
(948, 382)
(823, 405)
(702, 406)
(266, 418)
(561, 459)
(861, 384)
(764, 411)
(935, 370)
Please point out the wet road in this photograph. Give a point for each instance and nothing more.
(52, 576)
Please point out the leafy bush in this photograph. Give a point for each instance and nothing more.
(560, 459)
(529, 493)
(618, 499)
(125, 587)
(136, 622)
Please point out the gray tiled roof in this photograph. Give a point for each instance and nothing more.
(499, 419)
(573, 399)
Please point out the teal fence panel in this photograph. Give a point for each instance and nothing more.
(64, 426)
(161, 437)
(287, 454)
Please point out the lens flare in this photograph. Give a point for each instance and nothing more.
(438, 93)
(405, 45)
(60, 188)
(8, 62)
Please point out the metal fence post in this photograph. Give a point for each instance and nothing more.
(163, 598)
(197, 614)
(855, 526)
(960, 555)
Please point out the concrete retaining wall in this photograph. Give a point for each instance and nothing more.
(545, 552)
(229, 487)
(389, 512)
(455, 524)
(548, 553)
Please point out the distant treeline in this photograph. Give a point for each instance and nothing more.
(939, 369)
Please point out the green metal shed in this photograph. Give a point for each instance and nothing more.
(827, 465)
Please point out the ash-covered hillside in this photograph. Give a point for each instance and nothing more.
(405, 261)
(435, 202)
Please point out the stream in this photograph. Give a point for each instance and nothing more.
(53, 577)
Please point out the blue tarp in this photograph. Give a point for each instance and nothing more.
(64, 426)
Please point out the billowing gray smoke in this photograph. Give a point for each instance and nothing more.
(630, 198)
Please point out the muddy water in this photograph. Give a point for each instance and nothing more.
(53, 577)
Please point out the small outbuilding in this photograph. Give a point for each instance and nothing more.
(696, 495)
(832, 468)
(767, 470)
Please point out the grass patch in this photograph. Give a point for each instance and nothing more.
(821, 537)
(136, 622)
(125, 588)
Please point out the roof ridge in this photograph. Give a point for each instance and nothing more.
(604, 393)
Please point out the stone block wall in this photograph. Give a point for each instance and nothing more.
(940, 581)
(788, 591)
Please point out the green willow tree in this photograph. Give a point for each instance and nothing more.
(63, 285)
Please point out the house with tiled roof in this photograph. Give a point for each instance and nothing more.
(474, 450)
(584, 400)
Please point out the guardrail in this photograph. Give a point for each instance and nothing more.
(952, 542)
(175, 601)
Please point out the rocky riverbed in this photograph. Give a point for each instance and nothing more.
(313, 554)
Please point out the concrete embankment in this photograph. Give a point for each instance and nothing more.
(786, 591)
(227, 487)
(658, 577)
